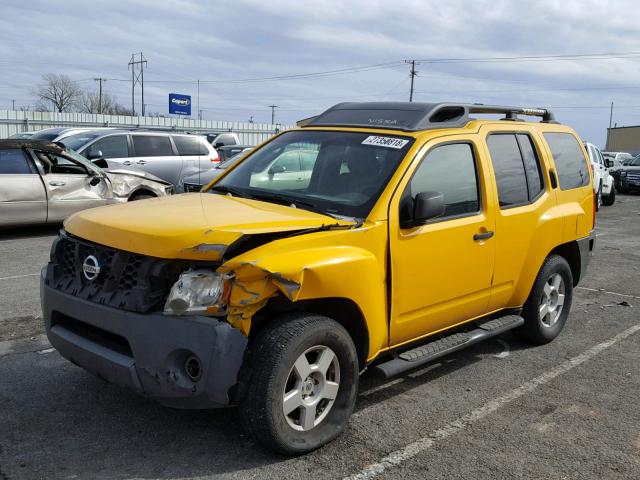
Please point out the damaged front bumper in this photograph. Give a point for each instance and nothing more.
(182, 362)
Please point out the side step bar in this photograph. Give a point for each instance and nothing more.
(428, 352)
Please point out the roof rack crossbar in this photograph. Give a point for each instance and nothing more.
(547, 115)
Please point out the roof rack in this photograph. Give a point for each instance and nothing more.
(411, 117)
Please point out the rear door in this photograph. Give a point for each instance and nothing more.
(22, 196)
(154, 153)
(70, 187)
(197, 155)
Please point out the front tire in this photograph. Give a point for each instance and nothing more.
(547, 308)
(303, 383)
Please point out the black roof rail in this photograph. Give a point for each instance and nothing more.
(413, 116)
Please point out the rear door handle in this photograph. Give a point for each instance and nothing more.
(483, 236)
(141, 162)
(57, 184)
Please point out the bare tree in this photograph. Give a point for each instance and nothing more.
(59, 91)
(90, 102)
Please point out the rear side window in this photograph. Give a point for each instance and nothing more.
(13, 162)
(152, 146)
(450, 169)
(115, 146)
(569, 159)
(516, 168)
(190, 145)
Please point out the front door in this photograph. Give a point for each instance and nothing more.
(441, 271)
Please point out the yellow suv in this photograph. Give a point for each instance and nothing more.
(380, 235)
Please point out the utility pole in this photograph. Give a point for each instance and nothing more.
(100, 80)
(273, 113)
(13, 105)
(413, 75)
(198, 101)
(137, 78)
(609, 129)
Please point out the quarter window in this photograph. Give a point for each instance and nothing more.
(152, 146)
(13, 162)
(516, 168)
(451, 170)
(193, 145)
(569, 159)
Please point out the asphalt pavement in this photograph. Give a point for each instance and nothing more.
(501, 409)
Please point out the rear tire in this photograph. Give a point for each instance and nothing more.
(288, 406)
(610, 199)
(547, 308)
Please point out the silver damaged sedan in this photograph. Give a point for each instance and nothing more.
(43, 182)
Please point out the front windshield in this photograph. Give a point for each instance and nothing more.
(634, 162)
(338, 173)
(79, 140)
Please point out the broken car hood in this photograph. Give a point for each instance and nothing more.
(198, 226)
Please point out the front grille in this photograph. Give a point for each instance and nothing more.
(633, 176)
(192, 187)
(126, 280)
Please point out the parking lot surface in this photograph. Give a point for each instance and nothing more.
(501, 409)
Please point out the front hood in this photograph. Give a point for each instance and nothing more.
(198, 226)
(133, 173)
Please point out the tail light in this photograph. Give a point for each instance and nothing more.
(214, 158)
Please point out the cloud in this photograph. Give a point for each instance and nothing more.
(225, 40)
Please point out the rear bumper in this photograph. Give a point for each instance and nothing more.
(586, 246)
(146, 353)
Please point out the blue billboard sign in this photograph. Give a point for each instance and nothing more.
(179, 104)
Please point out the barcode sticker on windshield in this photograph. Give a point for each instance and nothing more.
(388, 142)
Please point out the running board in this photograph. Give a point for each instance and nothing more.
(428, 352)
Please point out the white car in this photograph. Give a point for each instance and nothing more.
(616, 159)
(602, 180)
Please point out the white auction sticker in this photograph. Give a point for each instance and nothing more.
(388, 142)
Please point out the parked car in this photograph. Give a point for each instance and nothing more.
(616, 159)
(56, 133)
(627, 177)
(21, 135)
(222, 139)
(195, 182)
(44, 183)
(229, 151)
(169, 156)
(603, 182)
(420, 231)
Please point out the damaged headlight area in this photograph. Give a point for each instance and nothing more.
(199, 292)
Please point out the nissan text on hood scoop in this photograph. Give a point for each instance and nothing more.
(376, 235)
(190, 226)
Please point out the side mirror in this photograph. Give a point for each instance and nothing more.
(276, 169)
(426, 205)
(95, 179)
(219, 144)
(100, 162)
(607, 163)
(94, 154)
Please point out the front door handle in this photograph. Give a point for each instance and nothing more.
(57, 184)
(127, 163)
(483, 236)
(141, 162)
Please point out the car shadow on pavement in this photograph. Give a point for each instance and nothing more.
(17, 233)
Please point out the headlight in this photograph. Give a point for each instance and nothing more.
(198, 292)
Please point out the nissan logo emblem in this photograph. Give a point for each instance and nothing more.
(91, 268)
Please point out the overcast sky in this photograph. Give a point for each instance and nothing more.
(222, 41)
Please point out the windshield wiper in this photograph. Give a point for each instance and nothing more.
(286, 200)
(236, 192)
